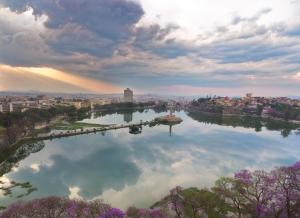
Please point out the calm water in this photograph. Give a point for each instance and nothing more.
(125, 169)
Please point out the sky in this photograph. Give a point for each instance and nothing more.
(190, 47)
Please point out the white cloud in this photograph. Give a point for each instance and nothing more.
(198, 16)
(297, 76)
(74, 193)
(35, 167)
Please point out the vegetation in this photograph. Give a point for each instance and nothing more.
(20, 124)
(247, 122)
(278, 110)
(9, 160)
(286, 111)
(204, 104)
(76, 125)
(59, 207)
(257, 194)
(33, 116)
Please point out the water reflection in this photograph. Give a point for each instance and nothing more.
(100, 170)
(127, 169)
(128, 117)
(247, 122)
(122, 116)
(23, 152)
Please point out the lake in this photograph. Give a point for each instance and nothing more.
(126, 169)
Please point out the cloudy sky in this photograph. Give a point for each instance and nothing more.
(177, 47)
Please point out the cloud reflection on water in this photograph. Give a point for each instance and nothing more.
(127, 169)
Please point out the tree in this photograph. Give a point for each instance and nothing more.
(205, 202)
(287, 190)
(177, 201)
(226, 188)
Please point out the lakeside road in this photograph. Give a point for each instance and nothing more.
(29, 139)
(80, 132)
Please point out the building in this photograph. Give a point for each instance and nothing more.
(31, 104)
(102, 101)
(17, 106)
(249, 95)
(6, 107)
(41, 97)
(128, 95)
(78, 104)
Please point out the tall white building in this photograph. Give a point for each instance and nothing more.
(128, 95)
(6, 107)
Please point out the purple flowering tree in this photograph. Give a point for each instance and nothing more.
(257, 189)
(133, 212)
(56, 207)
(113, 213)
(286, 191)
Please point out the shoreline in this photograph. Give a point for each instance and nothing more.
(71, 132)
(295, 122)
(13, 147)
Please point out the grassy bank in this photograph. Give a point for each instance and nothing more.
(10, 149)
(2, 129)
(76, 125)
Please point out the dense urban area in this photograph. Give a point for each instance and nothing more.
(22, 115)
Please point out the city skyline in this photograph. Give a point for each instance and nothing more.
(184, 48)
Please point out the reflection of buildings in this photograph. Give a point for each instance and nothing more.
(170, 130)
(128, 95)
(127, 117)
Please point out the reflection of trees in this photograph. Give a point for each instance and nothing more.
(109, 168)
(255, 123)
(8, 190)
(6, 166)
(24, 151)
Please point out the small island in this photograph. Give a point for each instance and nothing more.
(169, 119)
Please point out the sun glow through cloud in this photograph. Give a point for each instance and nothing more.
(64, 77)
(297, 76)
(83, 82)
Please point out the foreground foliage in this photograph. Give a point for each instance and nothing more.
(58, 207)
(258, 194)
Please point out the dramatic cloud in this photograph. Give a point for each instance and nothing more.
(111, 19)
(51, 80)
(201, 45)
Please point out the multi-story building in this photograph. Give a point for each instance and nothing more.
(81, 103)
(102, 101)
(6, 107)
(128, 95)
(31, 104)
(17, 106)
